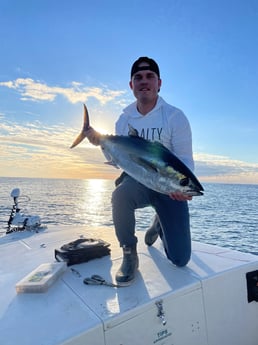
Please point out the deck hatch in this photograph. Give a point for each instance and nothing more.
(252, 286)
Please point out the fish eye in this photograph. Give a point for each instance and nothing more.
(184, 181)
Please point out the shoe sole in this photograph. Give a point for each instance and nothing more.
(128, 283)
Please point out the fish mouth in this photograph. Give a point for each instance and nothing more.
(192, 190)
(193, 193)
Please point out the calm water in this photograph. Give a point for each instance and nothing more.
(226, 215)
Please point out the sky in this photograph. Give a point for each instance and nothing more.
(57, 55)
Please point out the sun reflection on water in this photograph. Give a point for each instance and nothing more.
(96, 200)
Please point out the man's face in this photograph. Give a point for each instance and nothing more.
(145, 84)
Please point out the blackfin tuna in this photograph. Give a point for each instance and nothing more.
(150, 163)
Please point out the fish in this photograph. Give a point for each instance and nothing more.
(148, 162)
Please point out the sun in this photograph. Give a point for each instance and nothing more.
(101, 130)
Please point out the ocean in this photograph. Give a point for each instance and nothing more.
(226, 215)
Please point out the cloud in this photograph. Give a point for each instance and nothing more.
(32, 90)
(36, 150)
(216, 168)
(43, 151)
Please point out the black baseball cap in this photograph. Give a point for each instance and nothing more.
(153, 66)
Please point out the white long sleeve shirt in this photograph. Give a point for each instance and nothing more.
(164, 123)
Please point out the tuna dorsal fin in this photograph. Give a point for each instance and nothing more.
(132, 131)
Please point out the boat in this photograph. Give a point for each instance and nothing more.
(211, 301)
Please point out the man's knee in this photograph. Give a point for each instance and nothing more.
(179, 260)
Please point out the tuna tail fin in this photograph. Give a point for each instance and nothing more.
(86, 126)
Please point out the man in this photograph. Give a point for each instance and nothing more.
(154, 120)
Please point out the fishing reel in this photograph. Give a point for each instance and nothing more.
(18, 221)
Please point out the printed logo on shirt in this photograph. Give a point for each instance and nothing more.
(151, 133)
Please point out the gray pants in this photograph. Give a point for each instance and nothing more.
(173, 218)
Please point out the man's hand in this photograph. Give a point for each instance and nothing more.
(179, 196)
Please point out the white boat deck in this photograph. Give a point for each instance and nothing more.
(203, 303)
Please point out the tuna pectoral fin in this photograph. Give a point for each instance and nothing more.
(151, 166)
(145, 163)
